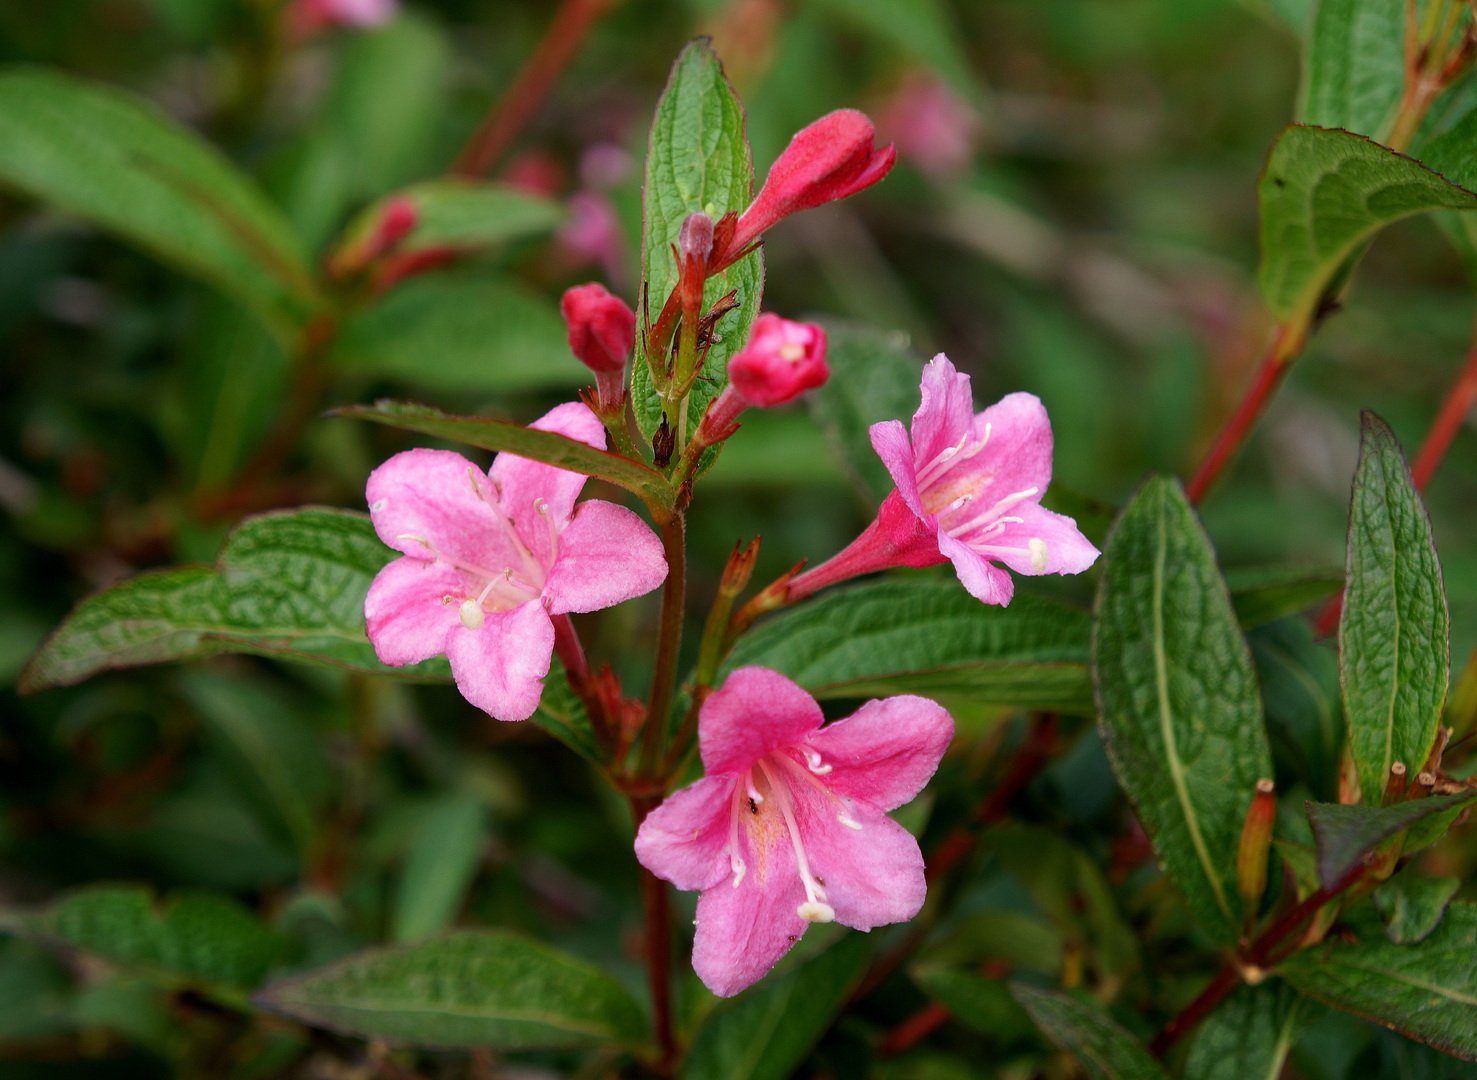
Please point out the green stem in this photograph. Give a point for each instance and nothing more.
(668, 642)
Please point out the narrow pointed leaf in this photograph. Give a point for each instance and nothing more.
(1413, 906)
(468, 989)
(928, 637)
(458, 214)
(1323, 194)
(1249, 1035)
(440, 867)
(766, 1032)
(1086, 1031)
(1426, 991)
(1177, 698)
(117, 162)
(1346, 834)
(1394, 636)
(1265, 594)
(500, 435)
(697, 159)
(288, 584)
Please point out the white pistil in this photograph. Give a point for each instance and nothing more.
(1037, 547)
(815, 908)
(849, 821)
(993, 513)
(813, 762)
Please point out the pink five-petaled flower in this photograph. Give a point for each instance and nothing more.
(969, 490)
(830, 159)
(492, 559)
(790, 825)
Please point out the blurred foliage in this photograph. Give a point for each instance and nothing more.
(172, 836)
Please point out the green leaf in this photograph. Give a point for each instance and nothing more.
(115, 161)
(928, 637)
(1426, 991)
(880, 382)
(1177, 698)
(1394, 650)
(1299, 677)
(288, 584)
(1323, 194)
(1346, 834)
(1412, 906)
(1249, 1035)
(440, 868)
(1086, 1031)
(1354, 67)
(467, 989)
(194, 937)
(547, 446)
(984, 1004)
(766, 1032)
(464, 215)
(562, 715)
(1265, 594)
(456, 333)
(697, 159)
(922, 29)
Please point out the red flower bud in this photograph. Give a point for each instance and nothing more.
(782, 360)
(602, 328)
(830, 159)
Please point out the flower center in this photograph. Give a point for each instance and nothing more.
(770, 795)
(958, 499)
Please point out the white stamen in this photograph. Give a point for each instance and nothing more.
(849, 822)
(472, 614)
(421, 540)
(815, 909)
(994, 512)
(813, 761)
(750, 790)
(735, 861)
(1037, 547)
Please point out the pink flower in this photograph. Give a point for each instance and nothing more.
(492, 560)
(781, 361)
(969, 490)
(602, 327)
(930, 126)
(831, 159)
(790, 826)
(310, 16)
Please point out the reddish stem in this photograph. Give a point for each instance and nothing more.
(572, 22)
(1233, 434)
(657, 905)
(914, 1030)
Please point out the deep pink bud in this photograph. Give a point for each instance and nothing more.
(695, 240)
(602, 328)
(397, 220)
(782, 360)
(830, 159)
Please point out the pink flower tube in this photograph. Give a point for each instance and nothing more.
(789, 827)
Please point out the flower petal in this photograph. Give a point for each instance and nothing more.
(1018, 455)
(500, 666)
(1066, 550)
(607, 554)
(886, 751)
(404, 615)
(743, 930)
(756, 711)
(685, 839)
(521, 483)
(873, 875)
(890, 441)
(984, 581)
(427, 503)
(945, 414)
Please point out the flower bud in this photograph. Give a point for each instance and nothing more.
(830, 159)
(782, 360)
(312, 16)
(602, 328)
(1256, 841)
(695, 241)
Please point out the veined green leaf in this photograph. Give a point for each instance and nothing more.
(115, 161)
(1086, 1031)
(928, 637)
(1354, 65)
(1346, 834)
(1264, 594)
(1394, 636)
(697, 159)
(980, 1002)
(468, 989)
(194, 937)
(1323, 194)
(458, 333)
(288, 584)
(547, 446)
(1177, 698)
(765, 1033)
(1426, 991)
(1249, 1035)
(1413, 906)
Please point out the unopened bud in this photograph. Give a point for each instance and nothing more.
(695, 240)
(740, 568)
(1256, 841)
(397, 220)
(830, 159)
(782, 360)
(602, 328)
